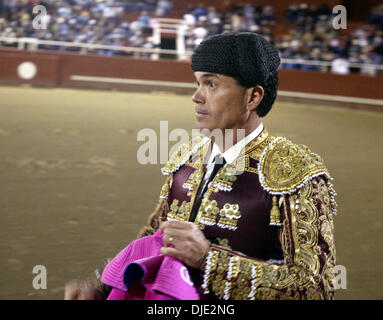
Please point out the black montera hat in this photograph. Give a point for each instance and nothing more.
(246, 56)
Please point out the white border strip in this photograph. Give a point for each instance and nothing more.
(134, 81)
(173, 84)
(328, 97)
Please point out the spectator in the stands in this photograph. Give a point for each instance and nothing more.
(268, 15)
(376, 16)
(200, 10)
(292, 12)
(189, 17)
(163, 7)
(340, 66)
(200, 32)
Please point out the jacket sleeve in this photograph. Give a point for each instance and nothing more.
(160, 213)
(307, 240)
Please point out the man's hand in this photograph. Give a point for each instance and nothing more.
(82, 290)
(186, 242)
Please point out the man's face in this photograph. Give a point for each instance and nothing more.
(220, 102)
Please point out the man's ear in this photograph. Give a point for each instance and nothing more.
(255, 96)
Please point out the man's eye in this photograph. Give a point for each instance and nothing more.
(212, 84)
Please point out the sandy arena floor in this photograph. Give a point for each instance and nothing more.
(72, 192)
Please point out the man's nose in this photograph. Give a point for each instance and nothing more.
(197, 96)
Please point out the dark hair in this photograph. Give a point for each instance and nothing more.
(270, 92)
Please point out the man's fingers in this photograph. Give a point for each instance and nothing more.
(168, 240)
(184, 241)
(172, 252)
(175, 224)
(175, 233)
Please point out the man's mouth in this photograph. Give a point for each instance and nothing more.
(200, 112)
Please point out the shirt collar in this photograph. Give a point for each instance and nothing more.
(234, 151)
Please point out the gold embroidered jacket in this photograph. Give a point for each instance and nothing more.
(269, 216)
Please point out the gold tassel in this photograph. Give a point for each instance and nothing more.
(275, 214)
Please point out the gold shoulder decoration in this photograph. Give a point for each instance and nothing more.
(285, 167)
(183, 154)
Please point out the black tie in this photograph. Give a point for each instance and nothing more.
(219, 162)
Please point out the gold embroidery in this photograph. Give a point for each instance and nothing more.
(306, 234)
(327, 233)
(179, 212)
(230, 215)
(304, 212)
(173, 209)
(301, 275)
(253, 150)
(275, 214)
(241, 289)
(286, 166)
(184, 153)
(247, 165)
(256, 145)
(273, 294)
(225, 178)
(256, 152)
(183, 211)
(194, 180)
(165, 190)
(218, 284)
(193, 154)
(211, 265)
(222, 242)
(207, 213)
(313, 293)
(323, 197)
(286, 235)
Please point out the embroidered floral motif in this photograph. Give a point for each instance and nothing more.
(230, 215)
(179, 212)
(224, 179)
(208, 212)
(194, 179)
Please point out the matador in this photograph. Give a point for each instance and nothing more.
(251, 219)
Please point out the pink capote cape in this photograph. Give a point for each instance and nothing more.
(141, 272)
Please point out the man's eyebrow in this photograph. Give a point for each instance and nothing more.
(208, 75)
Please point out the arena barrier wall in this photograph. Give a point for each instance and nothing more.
(74, 70)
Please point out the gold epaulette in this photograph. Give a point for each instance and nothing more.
(183, 154)
(285, 167)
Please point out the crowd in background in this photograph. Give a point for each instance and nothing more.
(208, 21)
(83, 21)
(314, 38)
(311, 36)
